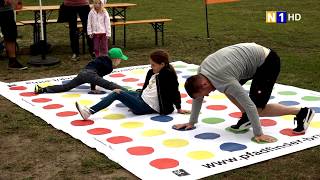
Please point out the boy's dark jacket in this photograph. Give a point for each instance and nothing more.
(167, 88)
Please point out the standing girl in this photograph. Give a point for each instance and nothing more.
(99, 28)
(159, 93)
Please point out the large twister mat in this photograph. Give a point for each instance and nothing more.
(147, 145)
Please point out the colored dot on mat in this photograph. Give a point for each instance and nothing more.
(207, 136)
(178, 72)
(162, 118)
(18, 88)
(131, 125)
(83, 87)
(235, 114)
(287, 117)
(45, 84)
(316, 109)
(212, 120)
(315, 124)
(183, 95)
(311, 98)
(164, 163)
(186, 76)
(200, 155)
(190, 101)
(85, 102)
(175, 143)
(41, 100)
(82, 122)
(287, 93)
(289, 132)
(130, 80)
(138, 71)
(119, 139)
(271, 97)
(117, 75)
(179, 66)
(153, 132)
(28, 94)
(231, 147)
(218, 96)
(71, 95)
(267, 122)
(53, 106)
(140, 150)
(248, 83)
(192, 70)
(140, 84)
(114, 116)
(120, 105)
(99, 131)
(289, 103)
(216, 107)
(66, 113)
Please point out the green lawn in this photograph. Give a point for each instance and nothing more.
(32, 149)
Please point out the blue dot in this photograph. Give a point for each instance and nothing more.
(186, 76)
(231, 147)
(207, 136)
(83, 87)
(120, 105)
(272, 97)
(289, 103)
(316, 109)
(161, 118)
(178, 72)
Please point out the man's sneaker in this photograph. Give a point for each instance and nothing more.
(84, 111)
(39, 90)
(303, 119)
(243, 124)
(14, 64)
(75, 57)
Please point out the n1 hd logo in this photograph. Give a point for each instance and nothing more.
(281, 17)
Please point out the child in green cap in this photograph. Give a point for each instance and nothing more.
(92, 73)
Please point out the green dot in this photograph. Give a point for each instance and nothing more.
(180, 66)
(192, 70)
(287, 93)
(311, 98)
(213, 120)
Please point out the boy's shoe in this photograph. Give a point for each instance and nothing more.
(303, 119)
(84, 111)
(39, 90)
(243, 124)
(14, 64)
(75, 57)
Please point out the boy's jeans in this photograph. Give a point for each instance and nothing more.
(131, 99)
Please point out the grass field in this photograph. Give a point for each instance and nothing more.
(32, 149)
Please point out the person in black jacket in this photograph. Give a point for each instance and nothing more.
(93, 73)
(159, 94)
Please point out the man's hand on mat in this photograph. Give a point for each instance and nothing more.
(265, 138)
(182, 111)
(118, 91)
(185, 126)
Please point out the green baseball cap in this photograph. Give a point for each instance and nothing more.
(116, 53)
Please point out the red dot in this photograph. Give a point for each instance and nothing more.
(130, 80)
(183, 95)
(41, 100)
(99, 131)
(17, 88)
(119, 139)
(164, 163)
(289, 132)
(117, 75)
(140, 84)
(53, 106)
(190, 101)
(28, 94)
(66, 113)
(236, 114)
(217, 107)
(267, 122)
(82, 122)
(140, 150)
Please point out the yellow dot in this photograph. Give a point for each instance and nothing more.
(71, 95)
(114, 116)
(218, 96)
(85, 102)
(287, 117)
(315, 124)
(153, 132)
(105, 109)
(45, 84)
(181, 85)
(132, 125)
(138, 71)
(175, 143)
(200, 155)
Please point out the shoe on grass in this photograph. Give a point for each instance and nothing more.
(14, 64)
